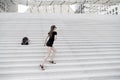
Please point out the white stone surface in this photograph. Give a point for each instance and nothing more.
(88, 47)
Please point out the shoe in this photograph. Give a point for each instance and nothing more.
(52, 62)
(42, 67)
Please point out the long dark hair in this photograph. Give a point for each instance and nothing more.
(51, 30)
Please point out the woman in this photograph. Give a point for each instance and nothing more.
(52, 35)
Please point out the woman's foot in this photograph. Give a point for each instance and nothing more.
(42, 67)
(52, 62)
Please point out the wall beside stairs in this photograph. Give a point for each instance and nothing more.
(8, 6)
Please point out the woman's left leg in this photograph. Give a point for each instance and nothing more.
(46, 57)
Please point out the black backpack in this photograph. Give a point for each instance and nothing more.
(25, 41)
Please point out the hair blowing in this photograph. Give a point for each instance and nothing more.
(51, 30)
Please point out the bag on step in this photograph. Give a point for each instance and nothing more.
(25, 41)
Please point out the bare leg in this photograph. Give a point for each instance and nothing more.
(48, 55)
(53, 54)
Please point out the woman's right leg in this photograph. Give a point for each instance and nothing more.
(53, 55)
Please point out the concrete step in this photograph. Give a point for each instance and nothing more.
(63, 56)
(59, 64)
(72, 45)
(59, 54)
(60, 47)
(67, 70)
(63, 50)
(61, 59)
(65, 47)
(66, 73)
(82, 77)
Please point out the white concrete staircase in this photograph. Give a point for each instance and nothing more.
(88, 47)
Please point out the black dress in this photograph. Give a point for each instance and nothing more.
(51, 39)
